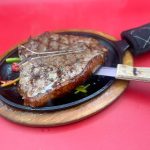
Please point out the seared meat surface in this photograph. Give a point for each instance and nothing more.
(54, 64)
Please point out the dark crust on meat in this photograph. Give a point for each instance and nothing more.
(66, 87)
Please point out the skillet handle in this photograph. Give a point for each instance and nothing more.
(138, 39)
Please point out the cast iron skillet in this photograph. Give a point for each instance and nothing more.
(138, 41)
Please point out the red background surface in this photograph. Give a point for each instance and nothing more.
(125, 124)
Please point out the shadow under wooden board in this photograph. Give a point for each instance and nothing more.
(70, 115)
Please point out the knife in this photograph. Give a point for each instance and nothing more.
(125, 72)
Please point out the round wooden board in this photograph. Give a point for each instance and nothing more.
(70, 115)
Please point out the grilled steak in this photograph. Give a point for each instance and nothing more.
(54, 64)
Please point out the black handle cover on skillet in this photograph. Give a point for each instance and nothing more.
(138, 39)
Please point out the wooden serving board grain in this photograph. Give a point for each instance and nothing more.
(74, 114)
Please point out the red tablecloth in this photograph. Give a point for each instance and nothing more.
(125, 124)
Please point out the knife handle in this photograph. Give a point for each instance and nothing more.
(126, 72)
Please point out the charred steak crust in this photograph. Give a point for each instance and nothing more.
(58, 63)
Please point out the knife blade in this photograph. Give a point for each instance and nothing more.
(125, 72)
(106, 71)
